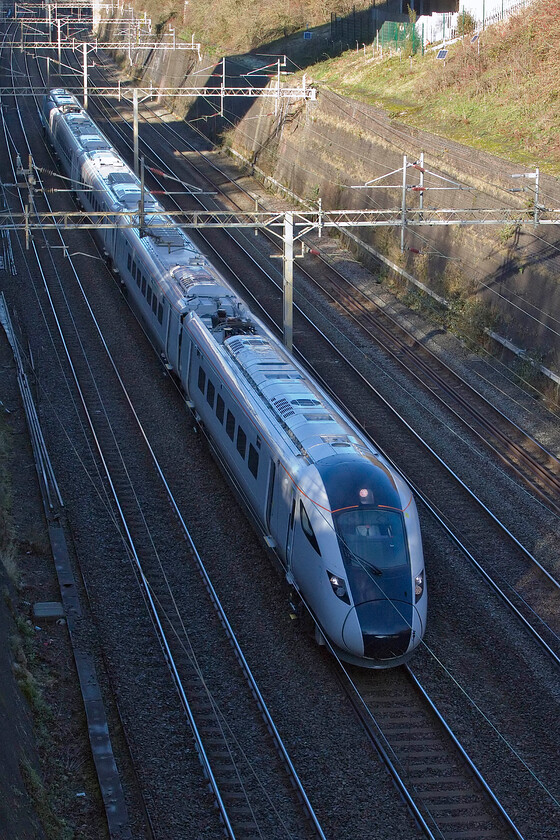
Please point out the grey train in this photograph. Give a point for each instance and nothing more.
(341, 520)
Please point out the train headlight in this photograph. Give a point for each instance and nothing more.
(339, 587)
(418, 586)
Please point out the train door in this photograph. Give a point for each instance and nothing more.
(186, 368)
(282, 511)
(306, 563)
(290, 534)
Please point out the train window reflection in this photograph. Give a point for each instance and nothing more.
(372, 537)
(220, 409)
(307, 527)
(253, 460)
(210, 393)
(230, 424)
(241, 441)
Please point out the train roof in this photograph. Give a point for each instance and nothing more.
(63, 100)
(88, 136)
(309, 419)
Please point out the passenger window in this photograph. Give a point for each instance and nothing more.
(138, 278)
(149, 295)
(241, 442)
(220, 406)
(154, 303)
(129, 262)
(201, 379)
(253, 460)
(307, 528)
(133, 268)
(210, 392)
(143, 285)
(230, 424)
(160, 313)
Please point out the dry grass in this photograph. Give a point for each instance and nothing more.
(500, 94)
(226, 27)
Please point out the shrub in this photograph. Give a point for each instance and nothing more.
(466, 23)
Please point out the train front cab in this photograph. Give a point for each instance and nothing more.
(356, 558)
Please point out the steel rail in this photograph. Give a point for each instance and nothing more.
(384, 728)
(480, 778)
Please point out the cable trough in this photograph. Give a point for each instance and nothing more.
(98, 730)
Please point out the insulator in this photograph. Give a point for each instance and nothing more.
(418, 189)
(414, 251)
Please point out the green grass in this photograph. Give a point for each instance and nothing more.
(54, 827)
(500, 95)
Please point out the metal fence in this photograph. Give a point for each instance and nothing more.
(398, 36)
(378, 25)
(500, 10)
(448, 26)
(357, 27)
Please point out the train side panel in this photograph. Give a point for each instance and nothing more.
(228, 415)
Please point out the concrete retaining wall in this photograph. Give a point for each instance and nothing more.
(322, 148)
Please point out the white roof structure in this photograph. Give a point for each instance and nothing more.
(443, 26)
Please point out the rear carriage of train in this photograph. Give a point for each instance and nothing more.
(157, 262)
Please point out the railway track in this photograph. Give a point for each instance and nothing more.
(519, 451)
(430, 767)
(253, 781)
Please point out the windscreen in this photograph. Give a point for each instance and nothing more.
(372, 538)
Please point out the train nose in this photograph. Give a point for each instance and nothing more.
(385, 628)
